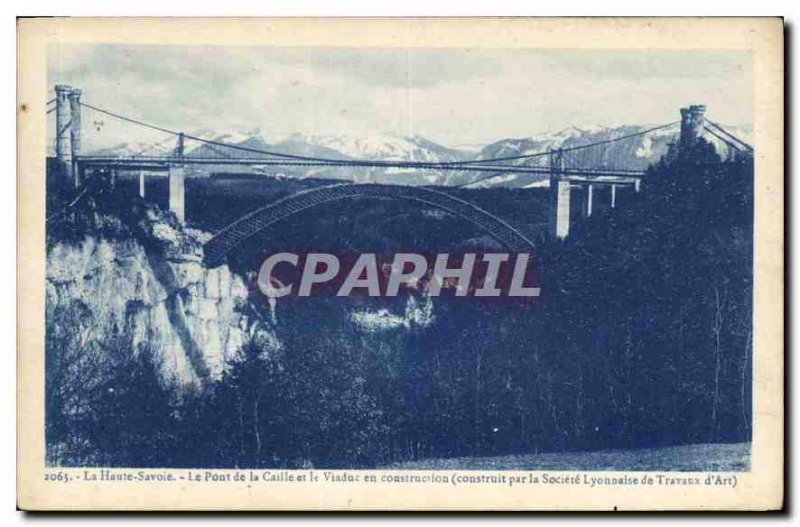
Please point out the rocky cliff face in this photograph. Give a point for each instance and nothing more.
(156, 292)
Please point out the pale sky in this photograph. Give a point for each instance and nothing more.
(451, 96)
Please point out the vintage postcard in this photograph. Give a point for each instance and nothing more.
(400, 264)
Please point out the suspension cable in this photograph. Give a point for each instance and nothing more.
(722, 138)
(724, 131)
(208, 141)
(152, 147)
(571, 149)
(377, 164)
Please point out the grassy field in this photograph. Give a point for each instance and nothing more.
(686, 458)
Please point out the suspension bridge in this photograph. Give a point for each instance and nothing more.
(605, 164)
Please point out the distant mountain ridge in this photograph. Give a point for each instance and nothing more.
(634, 153)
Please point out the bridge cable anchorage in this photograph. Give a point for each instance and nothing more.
(727, 133)
(450, 165)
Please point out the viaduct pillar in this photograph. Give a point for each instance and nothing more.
(589, 199)
(559, 196)
(63, 141)
(176, 192)
(141, 183)
(177, 183)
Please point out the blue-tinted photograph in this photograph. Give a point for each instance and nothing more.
(406, 258)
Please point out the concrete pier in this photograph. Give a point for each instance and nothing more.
(589, 198)
(141, 183)
(176, 192)
(560, 208)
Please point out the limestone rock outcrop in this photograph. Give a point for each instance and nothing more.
(155, 292)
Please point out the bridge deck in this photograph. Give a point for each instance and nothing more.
(155, 163)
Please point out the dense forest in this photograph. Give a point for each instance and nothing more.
(643, 338)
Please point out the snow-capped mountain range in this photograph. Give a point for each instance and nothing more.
(634, 153)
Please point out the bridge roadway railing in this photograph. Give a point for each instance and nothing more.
(162, 162)
(236, 233)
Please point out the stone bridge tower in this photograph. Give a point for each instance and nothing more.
(63, 142)
(693, 120)
(68, 133)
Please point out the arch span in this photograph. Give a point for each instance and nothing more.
(236, 233)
